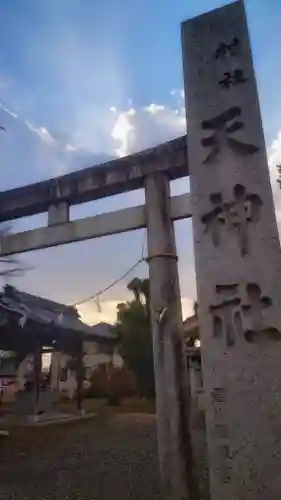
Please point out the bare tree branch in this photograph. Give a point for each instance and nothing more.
(10, 266)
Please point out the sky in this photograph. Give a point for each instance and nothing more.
(82, 82)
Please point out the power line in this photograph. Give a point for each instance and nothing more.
(100, 292)
(109, 286)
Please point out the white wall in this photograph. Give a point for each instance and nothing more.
(92, 359)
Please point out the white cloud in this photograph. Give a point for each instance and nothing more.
(274, 159)
(131, 130)
(274, 155)
(131, 112)
(138, 129)
(47, 153)
(11, 113)
(177, 92)
(91, 315)
(42, 132)
(154, 108)
(121, 132)
(70, 147)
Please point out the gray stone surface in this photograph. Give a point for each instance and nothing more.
(171, 383)
(114, 177)
(58, 214)
(237, 257)
(127, 219)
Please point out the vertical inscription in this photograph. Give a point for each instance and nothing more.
(237, 256)
(235, 215)
(235, 319)
(220, 433)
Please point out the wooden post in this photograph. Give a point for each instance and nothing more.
(79, 374)
(37, 371)
(172, 387)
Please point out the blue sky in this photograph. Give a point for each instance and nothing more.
(82, 81)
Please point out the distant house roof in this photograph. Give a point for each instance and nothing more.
(191, 330)
(103, 330)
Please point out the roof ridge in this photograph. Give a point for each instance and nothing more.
(52, 303)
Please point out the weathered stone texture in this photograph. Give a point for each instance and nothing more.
(237, 257)
(114, 177)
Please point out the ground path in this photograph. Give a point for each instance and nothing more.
(113, 460)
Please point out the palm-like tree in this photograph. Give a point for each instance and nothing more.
(145, 290)
(141, 289)
(134, 333)
(195, 308)
(135, 287)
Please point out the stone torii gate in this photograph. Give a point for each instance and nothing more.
(152, 169)
(237, 258)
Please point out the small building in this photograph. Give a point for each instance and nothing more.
(31, 327)
(191, 330)
(13, 374)
(98, 348)
(8, 374)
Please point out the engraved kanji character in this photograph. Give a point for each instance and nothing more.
(218, 395)
(214, 218)
(223, 312)
(232, 79)
(232, 316)
(234, 215)
(254, 309)
(245, 209)
(222, 132)
(230, 49)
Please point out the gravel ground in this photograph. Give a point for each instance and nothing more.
(87, 460)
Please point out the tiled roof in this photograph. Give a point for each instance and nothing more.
(40, 302)
(48, 312)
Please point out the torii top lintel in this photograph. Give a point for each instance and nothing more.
(114, 177)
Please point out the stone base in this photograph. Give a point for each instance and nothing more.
(55, 418)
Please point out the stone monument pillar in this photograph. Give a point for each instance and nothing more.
(237, 258)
